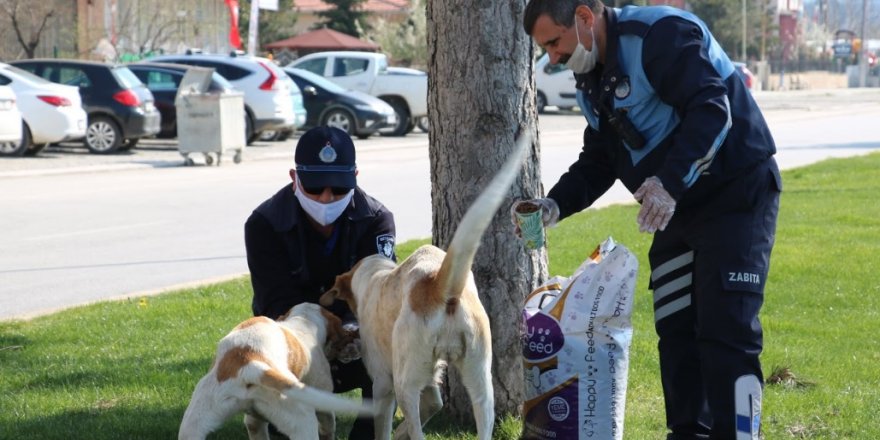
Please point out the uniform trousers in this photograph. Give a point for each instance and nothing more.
(708, 272)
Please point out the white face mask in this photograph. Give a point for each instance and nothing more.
(582, 60)
(323, 213)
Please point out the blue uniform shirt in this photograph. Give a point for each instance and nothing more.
(701, 126)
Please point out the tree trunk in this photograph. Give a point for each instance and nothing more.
(481, 93)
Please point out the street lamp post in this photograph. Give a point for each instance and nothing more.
(863, 60)
(743, 54)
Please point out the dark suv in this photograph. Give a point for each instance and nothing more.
(120, 108)
(163, 80)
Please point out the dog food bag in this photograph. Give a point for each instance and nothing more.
(576, 337)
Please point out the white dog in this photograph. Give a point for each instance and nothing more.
(416, 317)
(274, 371)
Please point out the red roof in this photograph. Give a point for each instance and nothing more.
(323, 39)
(369, 5)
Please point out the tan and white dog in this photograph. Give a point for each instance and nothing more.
(417, 317)
(273, 371)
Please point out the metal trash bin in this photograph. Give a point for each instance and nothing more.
(208, 122)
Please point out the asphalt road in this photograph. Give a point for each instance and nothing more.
(77, 228)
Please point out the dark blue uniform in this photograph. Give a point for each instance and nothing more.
(703, 135)
(291, 263)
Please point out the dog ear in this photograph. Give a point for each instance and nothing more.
(341, 290)
(328, 297)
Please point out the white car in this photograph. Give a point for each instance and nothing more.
(51, 112)
(10, 121)
(267, 89)
(556, 85)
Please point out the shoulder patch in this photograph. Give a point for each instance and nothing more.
(385, 245)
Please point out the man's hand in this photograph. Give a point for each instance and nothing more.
(549, 212)
(657, 206)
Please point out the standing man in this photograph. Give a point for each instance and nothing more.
(309, 232)
(670, 119)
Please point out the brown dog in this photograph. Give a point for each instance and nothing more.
(416, 317)
(273, 371)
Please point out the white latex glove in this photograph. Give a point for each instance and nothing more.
(657, 206)
(549, 212)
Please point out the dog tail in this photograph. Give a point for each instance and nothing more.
(290, 386)
(459, 257)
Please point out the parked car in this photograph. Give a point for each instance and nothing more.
(555, 84)
(299, 112)
(10, 123)
(51, 112)
(357, 113)
(405, 89)
(267, 95)
(120, 108)
(743, 71)
(163, 80)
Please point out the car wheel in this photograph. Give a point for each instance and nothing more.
(404, 122)
(541, 102)
(35, 149)
(363, 136)
(284, 135)
(102, 136)
(12, 149)
(340, 119)
(269, 135)
(424, 124)
(249, 134)
(128, 144)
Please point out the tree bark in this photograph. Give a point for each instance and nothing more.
(481, 93)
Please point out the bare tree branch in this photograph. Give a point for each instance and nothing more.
(35, 14)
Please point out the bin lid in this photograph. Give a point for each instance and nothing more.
(197, 80)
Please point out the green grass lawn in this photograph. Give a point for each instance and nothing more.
(126, 369)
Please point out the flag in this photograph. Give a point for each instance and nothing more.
(234, 38)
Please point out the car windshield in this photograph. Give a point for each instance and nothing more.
(319, 81)
(27, 75)
(126, 77)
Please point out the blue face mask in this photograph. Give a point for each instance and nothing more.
(582, 60)
(323, 213)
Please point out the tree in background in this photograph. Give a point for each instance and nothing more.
(273, 25)
(345, 16)
(28, 21)
(145, 27)
(724, 19)
(405, 43)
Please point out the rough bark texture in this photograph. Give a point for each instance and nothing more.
(481, 93)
